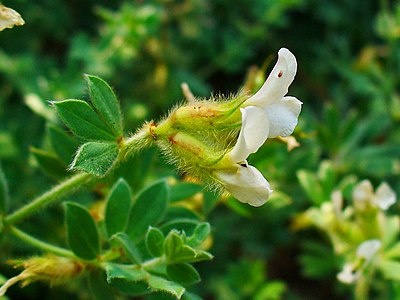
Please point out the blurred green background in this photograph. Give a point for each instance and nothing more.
(348, 54)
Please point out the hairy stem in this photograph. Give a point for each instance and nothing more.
(40, 244)
(64, 188)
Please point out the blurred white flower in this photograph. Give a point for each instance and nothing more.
(281, 111)
(368, 249)
(363, 195)
(347, 275)
(9, 18)
(243, 181)
(384, 196)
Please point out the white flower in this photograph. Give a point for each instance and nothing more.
(243, 181)
(363, 195)
(384, 196)
(281, 111)
(9, 18)
(368, 249)
(347, 275)
(268, 113)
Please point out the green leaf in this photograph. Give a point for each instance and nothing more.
(148, 209)
(82, 233)
(184, 274)
(126, 272)
(95, 158)
(155, 242)
(4, 195)
(183, 190)
(105, 102)
(63, 144)
(83, 120)
(99, 288)
(200, 233)
(191, 296)
(177, 252)
(274, 290)
(186, 225)
(160, 284)
(130, 249)
(49, 163)
(132, 288)
(118, 205)
(390, 269)
(311, 186)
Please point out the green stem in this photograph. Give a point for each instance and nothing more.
(58, 191)
(40, 244)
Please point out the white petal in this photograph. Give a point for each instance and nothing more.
(9, 18)
(362, 193)
(247, 185)
(282, 116)
(384, 196)
(368, 249)
(347, 275)
(253, 133)
(277, 84)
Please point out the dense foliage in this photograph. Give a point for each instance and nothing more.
(295, 245)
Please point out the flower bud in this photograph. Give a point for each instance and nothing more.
(50, 268)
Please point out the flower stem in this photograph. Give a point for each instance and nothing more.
(40, 244)
(58, 191)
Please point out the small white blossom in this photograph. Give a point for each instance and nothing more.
(363, 195)
(384, 196)
(348, 275)
(368, 249)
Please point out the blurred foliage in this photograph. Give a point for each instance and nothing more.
(349, 58)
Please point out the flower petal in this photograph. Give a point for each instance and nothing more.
(282, 116)
(347, 275)
(384, 196)
(277, 84)
(247, 185)
(9, 18)
(254, 132)
(368, 249)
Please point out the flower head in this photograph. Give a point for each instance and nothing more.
(198, 137)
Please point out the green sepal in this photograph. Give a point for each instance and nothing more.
(131, 251)
(82, 233)
(154, 242)
(148, 209)
(96, 158)
(105, 102)
(117, 209)
(184, 274)
(83, 120)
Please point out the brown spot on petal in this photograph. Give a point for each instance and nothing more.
(280, 73)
